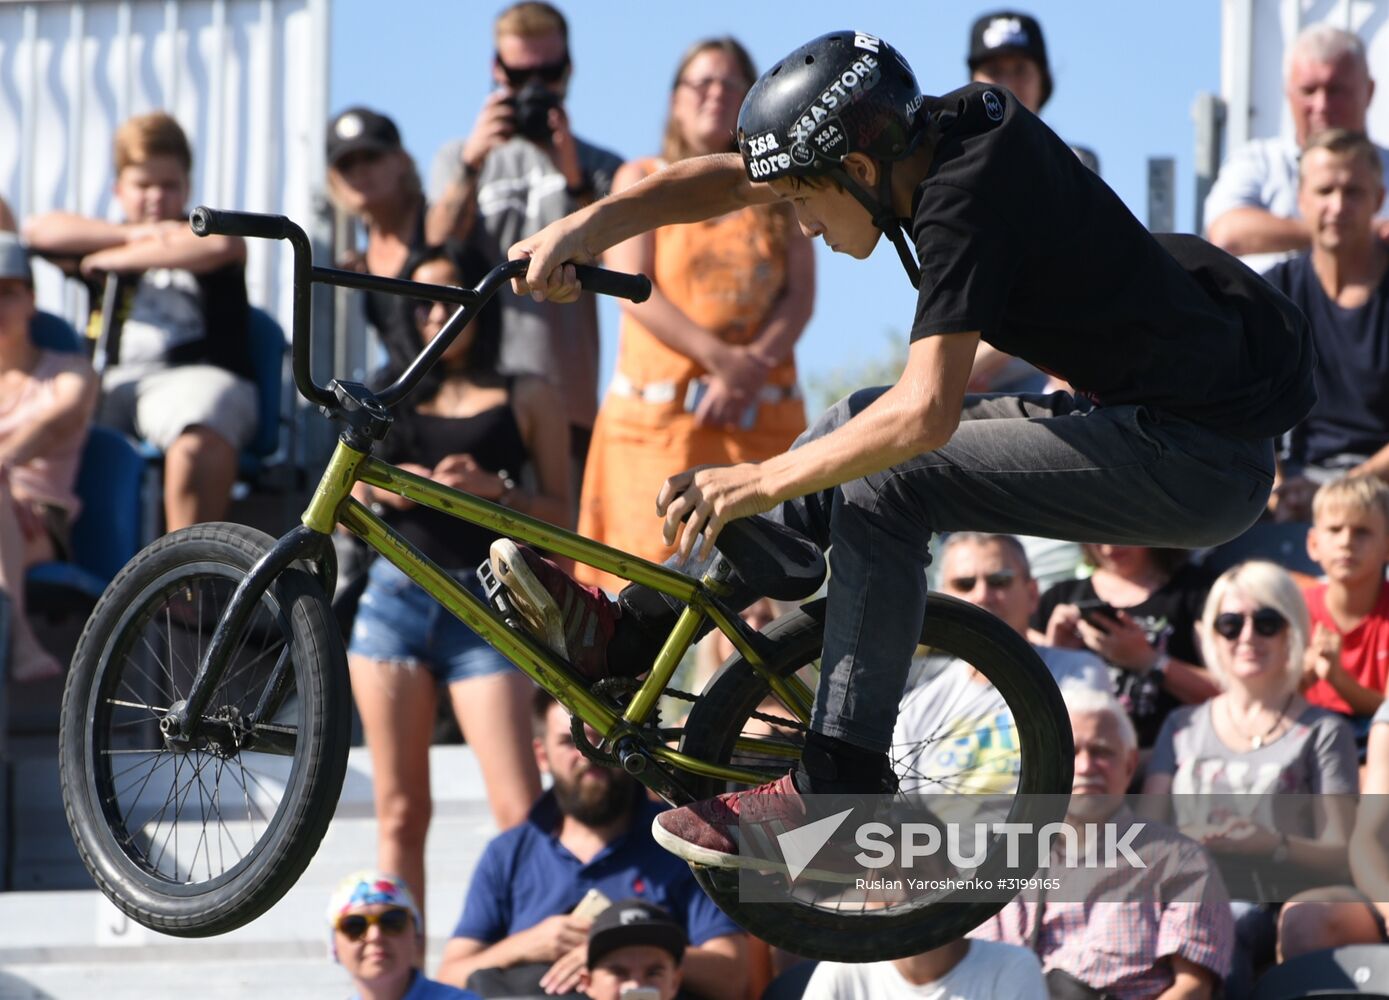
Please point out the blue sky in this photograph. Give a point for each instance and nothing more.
(1125, 74)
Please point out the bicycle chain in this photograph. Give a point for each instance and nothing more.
(774, 720)
(628, 686)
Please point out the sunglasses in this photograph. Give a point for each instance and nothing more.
(1267, 623)
(353, 926)
(545, 72)
(994, 581)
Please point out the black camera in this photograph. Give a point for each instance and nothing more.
(531, 106)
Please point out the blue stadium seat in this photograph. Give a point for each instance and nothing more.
(1360, 970)
(267, 343)
(54, 333)
(108, 531)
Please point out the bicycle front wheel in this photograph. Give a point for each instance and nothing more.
(200, 837)
(994, 726)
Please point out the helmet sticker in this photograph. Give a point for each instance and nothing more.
(993, 106)
(830, 140)
(836, 94)
(766, 166)
(760, 144)
(857, 78)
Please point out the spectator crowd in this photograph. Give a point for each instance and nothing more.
(1200, 679)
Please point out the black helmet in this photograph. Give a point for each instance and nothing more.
(842, 93)
(845, 92)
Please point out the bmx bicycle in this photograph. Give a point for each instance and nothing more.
(205, 721)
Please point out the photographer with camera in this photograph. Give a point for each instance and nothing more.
(520, 169)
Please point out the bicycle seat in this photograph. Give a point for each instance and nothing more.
(772, 559)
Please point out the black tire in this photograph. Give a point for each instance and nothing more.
(271, 806)
(1046, 752)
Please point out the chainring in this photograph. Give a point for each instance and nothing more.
(617, 692)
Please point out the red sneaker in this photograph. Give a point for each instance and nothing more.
(709, 833)
(573, 620)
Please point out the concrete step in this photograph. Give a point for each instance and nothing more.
(63, 942)
(217, 980)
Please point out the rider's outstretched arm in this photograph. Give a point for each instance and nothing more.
(702, 187)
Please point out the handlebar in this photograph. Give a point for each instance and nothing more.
(206, 221)
(602, 281)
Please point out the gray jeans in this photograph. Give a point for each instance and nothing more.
(1046, 465)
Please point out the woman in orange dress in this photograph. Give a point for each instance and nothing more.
(705, 370)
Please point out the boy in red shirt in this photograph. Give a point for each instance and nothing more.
(1348, 656)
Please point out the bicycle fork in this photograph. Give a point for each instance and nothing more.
(183, 723)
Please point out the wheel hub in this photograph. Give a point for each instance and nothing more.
(225, 732)
(222, 731)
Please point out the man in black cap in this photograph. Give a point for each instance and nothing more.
(1006, 48)
(633, 945)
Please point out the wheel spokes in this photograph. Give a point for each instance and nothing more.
(192, 812)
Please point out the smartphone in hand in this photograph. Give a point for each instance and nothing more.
(593, 903)
(1100, 614)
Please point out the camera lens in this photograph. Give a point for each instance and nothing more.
(533, 103)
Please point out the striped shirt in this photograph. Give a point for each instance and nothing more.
(1131, 921)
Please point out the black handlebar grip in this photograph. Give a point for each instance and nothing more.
(601, 281)
(206, 221)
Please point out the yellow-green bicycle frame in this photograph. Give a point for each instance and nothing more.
(333, 504)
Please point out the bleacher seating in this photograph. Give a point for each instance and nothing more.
(74, 943)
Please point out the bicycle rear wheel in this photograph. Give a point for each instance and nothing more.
(200, 838)
(1005, 734)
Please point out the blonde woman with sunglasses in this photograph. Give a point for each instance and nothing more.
(1243, 767)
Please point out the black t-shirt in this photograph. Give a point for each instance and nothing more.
(492, 437)
(1018, 240)
(1352, 412)
(1169, 618)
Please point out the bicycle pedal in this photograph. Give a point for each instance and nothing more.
(496, 594)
